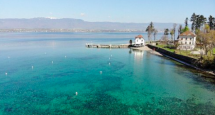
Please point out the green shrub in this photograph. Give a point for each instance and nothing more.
(208, 62)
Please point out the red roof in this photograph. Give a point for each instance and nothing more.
(139, 36)
(187, 33)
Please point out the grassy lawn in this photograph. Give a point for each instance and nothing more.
(164, 47)
(187, 53)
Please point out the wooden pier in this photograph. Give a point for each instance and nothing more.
(90, 45)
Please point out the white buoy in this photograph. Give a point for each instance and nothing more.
(111, 55)
(65, 56)
(109, 63)
(76, 93)
(45, 52)
(52, 62)
(5, 73)
(32, 67)
(100, 72)
(8, 57)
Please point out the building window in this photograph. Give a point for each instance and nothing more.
(190, 42)
(137, 40)
(142, 40)
(185, 42)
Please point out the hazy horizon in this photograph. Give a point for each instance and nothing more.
(90, 21)
(131, 11)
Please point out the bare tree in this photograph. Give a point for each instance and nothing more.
(174, 28)
(207, 39)
(164, 39)
(172, 34)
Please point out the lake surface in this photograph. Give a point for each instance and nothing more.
(40, 73)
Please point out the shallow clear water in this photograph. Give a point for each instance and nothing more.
(128, 82)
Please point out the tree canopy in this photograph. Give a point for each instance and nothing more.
(186, 28)
(150, 29)
(166, 31)
(197, 21)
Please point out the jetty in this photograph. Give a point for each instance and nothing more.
(91, 45)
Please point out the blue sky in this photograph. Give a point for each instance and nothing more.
(138, 11)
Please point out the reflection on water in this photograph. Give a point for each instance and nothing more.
(138, 55)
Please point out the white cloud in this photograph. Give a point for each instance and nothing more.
(82, 14)
(51, 17)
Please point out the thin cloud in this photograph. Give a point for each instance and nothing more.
(82, 14)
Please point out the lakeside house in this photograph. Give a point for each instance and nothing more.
(139, 41)
(187, 41)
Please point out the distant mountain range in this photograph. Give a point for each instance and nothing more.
(69, 23)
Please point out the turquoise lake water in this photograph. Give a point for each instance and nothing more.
(108, 81)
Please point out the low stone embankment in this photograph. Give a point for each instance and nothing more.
(192, 62)
(186, 59)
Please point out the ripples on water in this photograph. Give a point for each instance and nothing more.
(135, 82)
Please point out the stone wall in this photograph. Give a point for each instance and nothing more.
(186, 59)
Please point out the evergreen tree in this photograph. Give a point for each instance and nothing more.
(186, 22)
(193, 20)
(211, 23)
(150, 30)
(166, 31)
(200, 21)
(179, 30)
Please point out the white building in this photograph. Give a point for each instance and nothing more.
(187, 41)
(139, 41)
